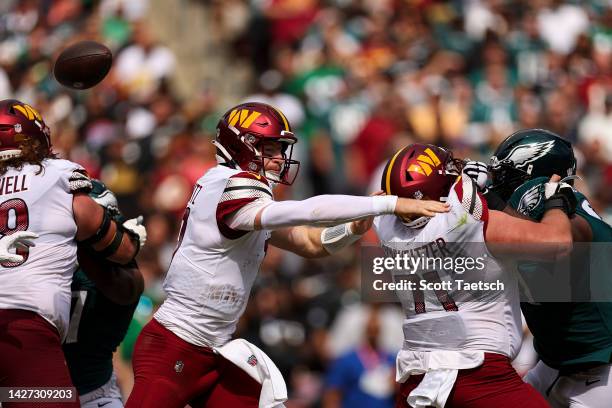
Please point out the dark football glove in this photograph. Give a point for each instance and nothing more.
(560, 195)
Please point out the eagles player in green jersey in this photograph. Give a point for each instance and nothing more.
(104, 297)
(573, 339)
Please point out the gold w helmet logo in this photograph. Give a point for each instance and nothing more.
(29, 112)
(243, 117)
(425, 163)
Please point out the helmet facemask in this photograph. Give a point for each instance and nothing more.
(15, 152)
(289, 168)
(453, 167)
(505, 178)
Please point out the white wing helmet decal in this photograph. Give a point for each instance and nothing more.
(530, 200)
(522, 155)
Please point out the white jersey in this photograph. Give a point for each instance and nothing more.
(214, 266)
(488, 321)
(41, 203)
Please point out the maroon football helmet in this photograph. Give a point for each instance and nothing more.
(18, 120)
(421, 171)
(242, 133)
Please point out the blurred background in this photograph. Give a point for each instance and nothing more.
(357, 79)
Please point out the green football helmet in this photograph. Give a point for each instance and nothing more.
(528, 154)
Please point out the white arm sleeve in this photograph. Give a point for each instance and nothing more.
(324, 210)
(320, 210)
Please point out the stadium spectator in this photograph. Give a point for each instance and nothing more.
(363, 377)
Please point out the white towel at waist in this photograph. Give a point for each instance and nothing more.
(440, 368)
(260, 367)
(434, 389)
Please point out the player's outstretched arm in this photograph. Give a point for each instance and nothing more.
(313, 242)
(336, 209)
(554, 228)
(247, 204)
(552, 236)
(301, 240)
(101, 234)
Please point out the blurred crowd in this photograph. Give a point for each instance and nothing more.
(357, 79)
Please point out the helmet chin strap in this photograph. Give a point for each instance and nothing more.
(272, 177)
(224, 158)
(421, 221)
(418, 223)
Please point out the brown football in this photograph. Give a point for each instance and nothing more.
(83, 65)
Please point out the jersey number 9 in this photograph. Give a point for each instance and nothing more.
(14, 217)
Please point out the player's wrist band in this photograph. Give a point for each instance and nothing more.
(563, 199)
(114, 245)
(561, 202)
(384, 204)
(335, 238)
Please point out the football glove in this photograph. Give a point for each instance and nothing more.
(20, 239)
(478, 172)
(135, 225)
(560, 195)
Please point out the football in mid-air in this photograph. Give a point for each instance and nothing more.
(83, 65)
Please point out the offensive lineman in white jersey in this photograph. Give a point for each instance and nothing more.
(229, 221)
(457, 349)
(47, 198)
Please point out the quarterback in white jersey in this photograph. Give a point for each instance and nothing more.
(230, 219)
(458, 348)
(45, 198)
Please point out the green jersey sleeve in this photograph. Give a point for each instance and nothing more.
(528, 199)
